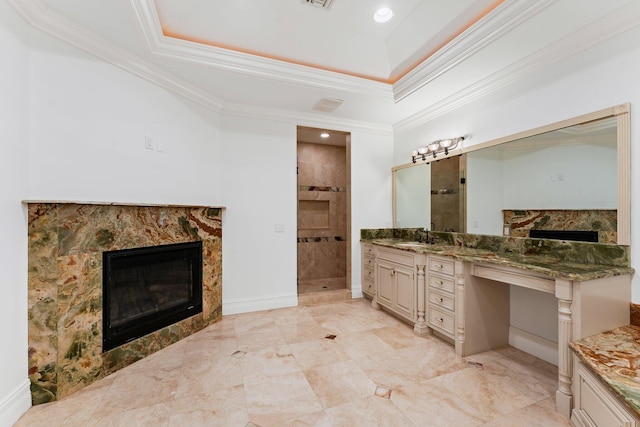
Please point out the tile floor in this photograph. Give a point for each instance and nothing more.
(277, 368)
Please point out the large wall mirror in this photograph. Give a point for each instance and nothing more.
(570, 176)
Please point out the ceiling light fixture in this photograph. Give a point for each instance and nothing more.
(383, 14)
(437, 147)
(324, 135)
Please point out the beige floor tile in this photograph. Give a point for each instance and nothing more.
(137, 391)
(315, 353)
(370, 411)
(430, 404)
(255, 341)
(210, 348)
(362, 344)
(278, 400)
(199, 377)
(153, 415)
(275, 368)
(339, 383)
(398, 336)
(487, 393)
(269, 362)
(299, 332)
(212, 407)
(531, 416)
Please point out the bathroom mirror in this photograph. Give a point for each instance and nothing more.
(556, 174)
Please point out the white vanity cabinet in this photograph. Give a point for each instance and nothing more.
(595, 405)
(400, 285)
(368, 252)
(396, 282)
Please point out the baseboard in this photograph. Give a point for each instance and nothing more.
(13, 406)
(534, 345)
(356, 291)
(248, 305)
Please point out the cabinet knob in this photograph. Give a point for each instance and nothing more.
(441, 300)
(438, 265)
(441, 320)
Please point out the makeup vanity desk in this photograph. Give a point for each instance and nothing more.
(592, 298)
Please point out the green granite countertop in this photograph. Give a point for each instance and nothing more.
(546, 264)
(614, 356)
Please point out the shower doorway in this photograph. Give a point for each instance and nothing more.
(323, 215)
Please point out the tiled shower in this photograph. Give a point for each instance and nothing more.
(322, 217)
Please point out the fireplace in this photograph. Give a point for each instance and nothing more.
(146, 289)
(67, 242)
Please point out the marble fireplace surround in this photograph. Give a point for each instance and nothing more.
(66, 241)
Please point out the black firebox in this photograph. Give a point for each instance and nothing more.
(146, 289)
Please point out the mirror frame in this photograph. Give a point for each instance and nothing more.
(620, 112)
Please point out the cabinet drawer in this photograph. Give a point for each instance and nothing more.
(441, 265)
(596, 406)
(368, 249)
(442, 283)
(367, 272)
(368, 286)
(399, 257)
(441, 319)
(441, 299)
(368, 261)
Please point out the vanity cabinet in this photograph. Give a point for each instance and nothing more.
(396, 282)
(441, 294)
(595, 405)
(368, 252)
(400, 285)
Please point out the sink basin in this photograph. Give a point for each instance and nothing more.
(412, 245)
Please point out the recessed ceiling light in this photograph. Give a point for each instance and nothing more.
(324, 135)
(383, 15)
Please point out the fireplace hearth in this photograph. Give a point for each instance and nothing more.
(146, 289)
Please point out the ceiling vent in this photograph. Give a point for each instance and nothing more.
(324, 4)
(328, 104)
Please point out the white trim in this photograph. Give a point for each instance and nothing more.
(583, 39)
(247, 305)
(534, 345)
(14, 405)
(302, 119)
(40, 17)
(162, 47)
(487, 30)
(356, 292)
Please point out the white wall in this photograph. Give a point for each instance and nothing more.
(89, 121)
(601, 77)
(14, 166)
(260, 190)
(371, 162)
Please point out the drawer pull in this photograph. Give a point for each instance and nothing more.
(440, 319)
(440, 283)
(438, 266)
(441, 299)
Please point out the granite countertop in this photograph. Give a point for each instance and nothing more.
(614, 356)
(544, 264)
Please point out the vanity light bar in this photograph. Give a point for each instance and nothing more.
(437, 147)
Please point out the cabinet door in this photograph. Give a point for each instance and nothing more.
(385, 277)
(404, 292)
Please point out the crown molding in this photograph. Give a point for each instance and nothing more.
(491, 27)
(40, 17)
(304, 119)
(157, 45)
(585, 38)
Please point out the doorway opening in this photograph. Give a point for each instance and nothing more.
(323, 215)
